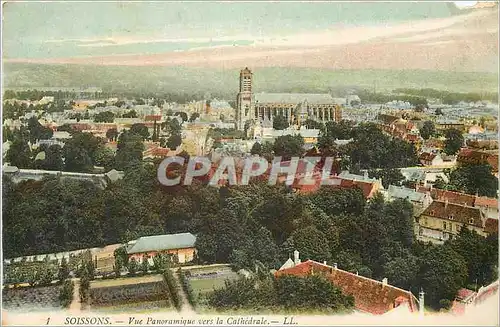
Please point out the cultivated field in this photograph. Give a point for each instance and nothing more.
(31, 298)
(138, 294)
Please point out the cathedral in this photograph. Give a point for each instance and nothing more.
(260, 108)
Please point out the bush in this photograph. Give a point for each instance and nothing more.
(66, 293)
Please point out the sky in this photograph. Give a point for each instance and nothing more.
(58, 30)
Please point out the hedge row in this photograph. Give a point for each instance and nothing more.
(173, 289)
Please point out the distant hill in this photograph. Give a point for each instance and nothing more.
(225, 82)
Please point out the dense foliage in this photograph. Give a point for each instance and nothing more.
(288, 293)
(472, 179)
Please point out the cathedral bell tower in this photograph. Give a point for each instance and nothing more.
(244, 99)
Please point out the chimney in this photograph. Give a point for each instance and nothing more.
(324, 262)
(365, 174)
(335, 265)
(357, 273)
(384, 282)
(421, 302)
(296, 259)
(446, 203)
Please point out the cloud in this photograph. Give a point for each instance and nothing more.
(117, 41)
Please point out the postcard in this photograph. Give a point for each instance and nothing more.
(251, 163)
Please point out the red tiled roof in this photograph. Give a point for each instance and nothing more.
(475, 156)
(369, 295)
(454, 212)
(453, 197)
(483, 201)
(412, 137)
(464, 294)
(491, 226)
(426, 156)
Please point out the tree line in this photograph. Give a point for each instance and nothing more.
(449, 97)
(245, 224)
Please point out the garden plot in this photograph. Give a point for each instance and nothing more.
(137, 293)
(204, 281)
(31, 298)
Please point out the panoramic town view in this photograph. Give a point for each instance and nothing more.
(238, 160)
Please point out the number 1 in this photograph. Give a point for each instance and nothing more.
(48, 319)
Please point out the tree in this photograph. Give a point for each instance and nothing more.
(442, 273)
(104, 157)
(104, 117)
(256, 149)
(145, 264)
(37, 131)
(310, 242)
(289, 146)
(19, 152)
(183, 115)
(390, 176)
(474, 178)
(129, 151)
(160, 262)
(53, 158)
(280, 122)
(112, 134)
(480, 255)
(63, 270)
(402, 272)
(77, 159)
(174, 141)
(194, 116)
(66, 294)
(427, 130)
(131, 114)
(141, 130)
(454, 141)
(132, 266)
(121, 257)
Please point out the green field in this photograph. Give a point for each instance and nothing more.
(225, 82)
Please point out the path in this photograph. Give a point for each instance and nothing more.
(186, 307)
(76, 305)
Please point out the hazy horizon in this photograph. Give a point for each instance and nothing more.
(66, 30)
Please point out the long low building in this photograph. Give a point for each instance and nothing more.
(181, 245)
(100, 180)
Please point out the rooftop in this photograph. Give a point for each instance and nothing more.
(402, 192)
(451, 211)
(295, 98)
(371, 296)
(162, 242)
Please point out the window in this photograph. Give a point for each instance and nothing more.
(450, 217)
(444, 225)
(471, 220)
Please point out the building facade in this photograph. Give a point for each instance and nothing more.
(295, 107)
(180, 245)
